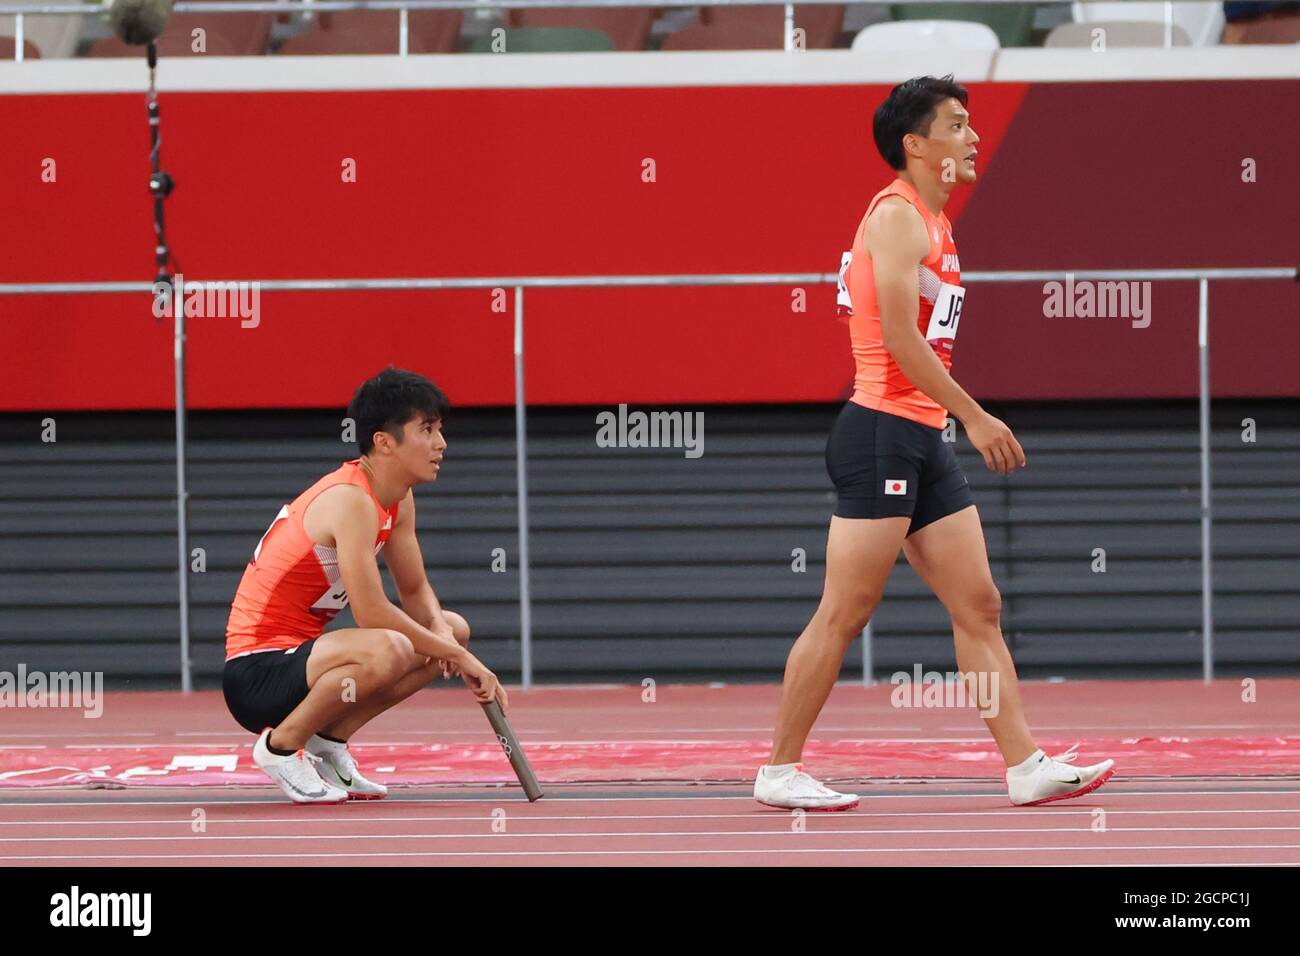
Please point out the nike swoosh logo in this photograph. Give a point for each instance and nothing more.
(347, 781)
(1077, 779)
(305, 793)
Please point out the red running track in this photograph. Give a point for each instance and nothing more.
(1204, 777)
(948, 824)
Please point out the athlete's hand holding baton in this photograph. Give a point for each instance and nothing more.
(481, 681)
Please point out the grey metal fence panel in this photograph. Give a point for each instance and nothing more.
(649, 564)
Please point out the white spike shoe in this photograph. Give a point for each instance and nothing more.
(338, 768)
(1053, 778)
(796, 790)
(296, 774)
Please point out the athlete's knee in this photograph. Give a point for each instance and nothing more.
(390, 655)
(459, 626)
(981, 608)
(845, 618)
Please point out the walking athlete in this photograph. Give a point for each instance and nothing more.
(898, 483)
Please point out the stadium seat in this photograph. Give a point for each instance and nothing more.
(52, 37)
(927, 35)
(225, 34)
(701, 36)
(1270, 29)
(1123, 33)
(628, 27)
(1012, 22)
(1202, 22)
(8, 47)
(377, 32)
(821, 23)
(170, 44)
(546, 40)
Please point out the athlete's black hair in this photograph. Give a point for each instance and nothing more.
(390, 400)
(911, 108)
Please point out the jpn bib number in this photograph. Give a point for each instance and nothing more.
(947, 313)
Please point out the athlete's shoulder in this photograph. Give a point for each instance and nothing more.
(338, 505)
(343, 474)
(896, 187)
(896, 204)
(896, 220)
(346, 496)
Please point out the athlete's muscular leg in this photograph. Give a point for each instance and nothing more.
(951, 557)
(860, 553)
(373, 659)
(423, 670)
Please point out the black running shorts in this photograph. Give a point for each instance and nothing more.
(263, 688)
(885, 466)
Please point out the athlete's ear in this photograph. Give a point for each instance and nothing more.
(912, 144)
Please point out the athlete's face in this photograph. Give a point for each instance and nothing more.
(949, 151)
(420, 450)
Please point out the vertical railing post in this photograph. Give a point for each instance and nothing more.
(182, 494)
(868, 659)
(521, 481)
(1207, 587)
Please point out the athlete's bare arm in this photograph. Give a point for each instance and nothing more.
(897, 241)
(343, 517)
(406, 565)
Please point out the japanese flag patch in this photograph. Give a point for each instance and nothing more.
(895, 486)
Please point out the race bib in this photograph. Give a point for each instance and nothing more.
(282, 516)
(947, 313)
(331, 602)
(843, 304)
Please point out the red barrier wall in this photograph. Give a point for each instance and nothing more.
(548, 182)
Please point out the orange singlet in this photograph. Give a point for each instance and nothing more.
(291, 589)
(878, 382)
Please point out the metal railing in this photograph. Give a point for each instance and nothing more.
(519, 283)
(20, 11)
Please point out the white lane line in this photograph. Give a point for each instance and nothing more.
(1133, 727)
(1142, 726)
(225, 747)
(784, 831)
(452, 797)
(753, 815)
(599, 853)
(459, 740)
(109, 735)
(767, 731)
(1093, 866)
